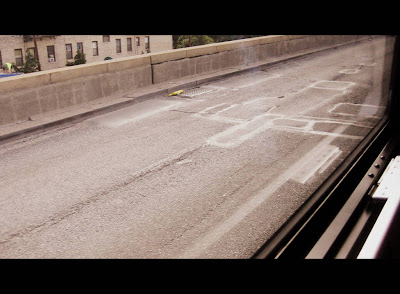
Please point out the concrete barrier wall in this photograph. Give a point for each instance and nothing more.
(41, 92)
(220, 56)
(27, 95)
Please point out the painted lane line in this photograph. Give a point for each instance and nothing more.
(237, 134)
(135, 113)
(317, 159)
(332, 85)
(366, 110)
(217, 232)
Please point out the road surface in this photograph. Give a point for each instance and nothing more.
(210, 174)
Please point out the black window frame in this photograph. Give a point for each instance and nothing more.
(79, 44)
(51, 49)
(128, 44)
(19, 61)
(95, 51)
(69, 53)
(118, 46)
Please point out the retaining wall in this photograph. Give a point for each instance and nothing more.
(40, 92)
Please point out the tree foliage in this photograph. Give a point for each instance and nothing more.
(79, 58)
(182, 41)
(193, 40)
(31, 64)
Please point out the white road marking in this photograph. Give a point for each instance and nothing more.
(356, 69)
(316, 160)
(217, 232)
(206, 110)
(350, 71)
(259, 100)
(237, 134)
(225, 109)
(368, 64)
(332, 85)
(319, 158)
(135, 112)
(257, 81)
(366, 110)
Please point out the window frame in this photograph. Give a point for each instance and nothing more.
(128, 44)
(79, 44)
(19, 61)
(69, 53)
(118, 46)
(49, 53)
(95, 50)
(31, 50)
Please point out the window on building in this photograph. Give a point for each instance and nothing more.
(118, 44)
(51, 53)
(137, 41)
(147, 42)
(95, 48)
(68, 48)
(19, 61)
(31, 51)
(129, 44)
(106, 38)
(1, 61)
(79, 46)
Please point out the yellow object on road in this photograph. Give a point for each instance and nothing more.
(176, 93)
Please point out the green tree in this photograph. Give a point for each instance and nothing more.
(182, 41)
(79, 58)
(192, 40)
(31, 64)
(224, 38)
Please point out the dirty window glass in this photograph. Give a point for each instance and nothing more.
(211, 171)
(287, 127)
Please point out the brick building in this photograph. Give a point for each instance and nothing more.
(56, 50)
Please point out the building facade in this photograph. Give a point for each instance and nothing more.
(56, 51)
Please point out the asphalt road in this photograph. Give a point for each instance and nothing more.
(212, 174)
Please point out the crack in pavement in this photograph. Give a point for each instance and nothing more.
(76, 208)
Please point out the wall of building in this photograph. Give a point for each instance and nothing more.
(105, 49)
(7, 45)
(41, 92)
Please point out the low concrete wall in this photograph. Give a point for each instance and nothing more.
(41, 92)
(219, 56)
